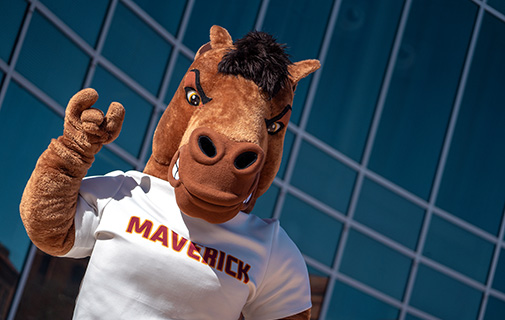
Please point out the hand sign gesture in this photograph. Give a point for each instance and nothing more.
(87, 126)
(50, 197)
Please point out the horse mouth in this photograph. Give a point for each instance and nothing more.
(210, 201)
(176, 177)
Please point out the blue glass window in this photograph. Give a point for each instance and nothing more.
(12, 16)
(495, 309)
(288, 21)
(106, 161)
(51, 61)
(472, 186)
(166, 13)
(181, 67)
(315, 233)
(364, 259)
(444, 297)
(289, 139)
(149, 141)
(499, 277)
(348, 303)
(265, 204)
(389, 213)
(497, 4)
(136, 49)
(236, 16)
(353, 73)
(411, 317)
(422, 91)
(323, 177)
(458, 249)
(33, 125)
(138, 111)
(85, 17)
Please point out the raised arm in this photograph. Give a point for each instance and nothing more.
(49, 200)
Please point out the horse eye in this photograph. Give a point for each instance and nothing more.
(274, 127)
(193, 97)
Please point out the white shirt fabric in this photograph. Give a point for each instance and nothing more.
(150, 261)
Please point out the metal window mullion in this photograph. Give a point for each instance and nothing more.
(304, 119)
(441, 167)
(83, 45)
(64, 28)
(493, 268)
(380, 238)
(366, 155)
(4, 67)
(306, 111)
(59, 110)
(15, 53)
(161, 31)
(130, 82)
(261, 15)
(324, 147)
(10, 70)
(100, 43)
(488, 8)
(160, 105)
(22, 282)
(391, 186)
(95, 58)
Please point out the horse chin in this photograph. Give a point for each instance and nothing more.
(200, 201)
(198, 208)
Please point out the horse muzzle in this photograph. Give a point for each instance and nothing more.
(214, 177)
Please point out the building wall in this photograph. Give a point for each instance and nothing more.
(392, 177)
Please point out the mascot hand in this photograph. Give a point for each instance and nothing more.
(87, 127)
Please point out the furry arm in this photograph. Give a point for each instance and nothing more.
(49, 200)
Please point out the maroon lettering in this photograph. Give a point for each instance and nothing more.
(214, 258)
(161, 235)
(209, 256)
(220, 263)
(134, 225)
(229, 261)
(243, 268)
(192, 250)
(176, 244)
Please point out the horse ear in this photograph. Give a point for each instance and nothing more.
(301, 69)
(219, 37)
(206, 47)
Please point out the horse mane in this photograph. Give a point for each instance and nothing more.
(258, 57)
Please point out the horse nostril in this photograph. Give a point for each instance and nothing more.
(245, 160)
(207, 146)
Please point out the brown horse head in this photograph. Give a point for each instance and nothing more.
(219, 143)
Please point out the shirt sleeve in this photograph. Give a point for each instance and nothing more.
(285, 288)
(94, 194)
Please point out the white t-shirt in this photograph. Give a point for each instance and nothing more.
(150, 261)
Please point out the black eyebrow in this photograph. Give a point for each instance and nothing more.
(279, 116)
(199, 88)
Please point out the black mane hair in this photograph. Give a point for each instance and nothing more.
(258, 57)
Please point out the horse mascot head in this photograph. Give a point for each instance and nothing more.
(220, 141)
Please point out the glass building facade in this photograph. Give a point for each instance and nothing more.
(392, 182)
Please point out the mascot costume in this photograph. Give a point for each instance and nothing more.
(176, 241)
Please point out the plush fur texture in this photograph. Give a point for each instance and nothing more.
(258, 57)
(49, 200)
(255, 82)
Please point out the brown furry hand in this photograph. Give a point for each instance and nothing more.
(49, 201)
(88, 127)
